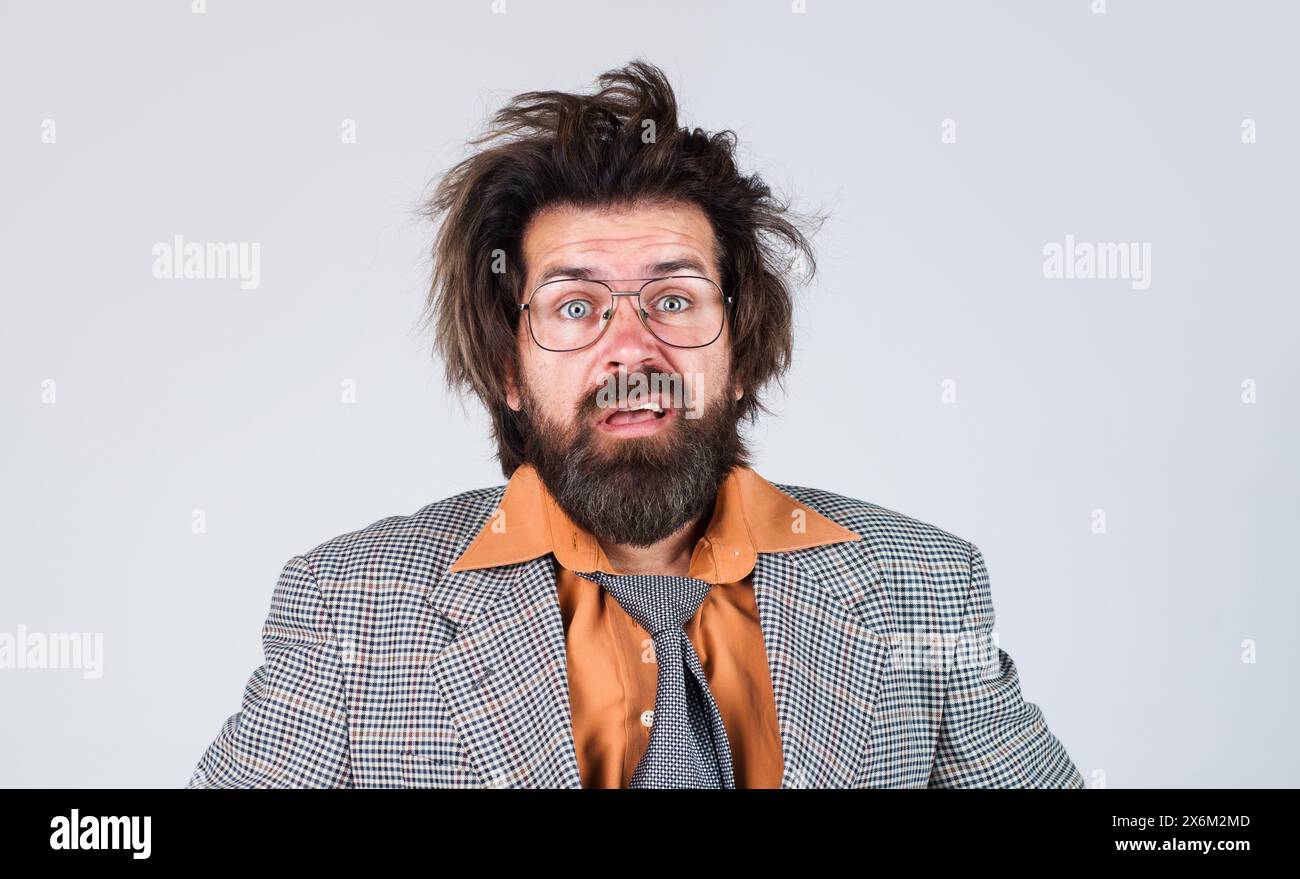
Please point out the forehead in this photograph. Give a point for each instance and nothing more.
(618, 243)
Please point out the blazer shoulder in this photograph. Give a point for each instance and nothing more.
(433, 535)
(886, 533)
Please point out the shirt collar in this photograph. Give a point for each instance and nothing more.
(750, 516)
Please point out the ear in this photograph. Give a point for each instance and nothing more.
(738, 389)
(512, 389)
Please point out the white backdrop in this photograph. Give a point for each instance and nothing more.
(939, 372)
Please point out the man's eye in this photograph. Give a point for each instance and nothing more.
(673, 304)
(575, 309)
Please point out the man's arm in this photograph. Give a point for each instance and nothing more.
(990, 737)
(292, 729)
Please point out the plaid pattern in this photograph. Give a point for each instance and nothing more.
(383, 670)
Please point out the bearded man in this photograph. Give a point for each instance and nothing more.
(636, 606)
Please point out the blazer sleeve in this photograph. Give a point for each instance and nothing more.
(989, 736)
(291, 730)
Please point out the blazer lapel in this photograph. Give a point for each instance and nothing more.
(825, 625)
(504, 676)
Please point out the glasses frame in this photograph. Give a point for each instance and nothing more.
(613, 304)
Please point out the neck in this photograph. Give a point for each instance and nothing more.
(670, 556)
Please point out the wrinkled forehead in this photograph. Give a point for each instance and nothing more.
(639, 241)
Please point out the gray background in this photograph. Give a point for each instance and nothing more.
(1072, 395)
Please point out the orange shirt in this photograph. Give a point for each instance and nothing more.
(611, 664)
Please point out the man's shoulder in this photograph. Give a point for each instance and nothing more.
(434, 534)
(886, 533)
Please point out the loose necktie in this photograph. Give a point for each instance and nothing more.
(688, 745)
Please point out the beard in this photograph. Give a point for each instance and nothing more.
(639, 490)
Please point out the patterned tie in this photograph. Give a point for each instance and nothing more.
(688, 743)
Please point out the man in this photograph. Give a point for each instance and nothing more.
(636, 607)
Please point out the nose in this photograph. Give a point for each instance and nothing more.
(626, 339)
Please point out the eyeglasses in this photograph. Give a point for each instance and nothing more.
(685, 311)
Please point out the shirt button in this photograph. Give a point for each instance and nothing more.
(647, 718)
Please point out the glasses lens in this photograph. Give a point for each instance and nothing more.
(569, 314)
(683, 311)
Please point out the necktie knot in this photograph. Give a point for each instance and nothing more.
(657, 602)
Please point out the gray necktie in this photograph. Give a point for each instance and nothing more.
(688, 743)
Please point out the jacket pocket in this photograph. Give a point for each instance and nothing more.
(439, 770)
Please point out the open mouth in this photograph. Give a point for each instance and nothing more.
(634, 421)
(644, 412)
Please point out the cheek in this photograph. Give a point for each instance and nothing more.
(706, 376)
(554, 384)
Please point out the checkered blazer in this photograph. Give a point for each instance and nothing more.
(384, 670)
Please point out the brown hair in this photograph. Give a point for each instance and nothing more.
(616, 147)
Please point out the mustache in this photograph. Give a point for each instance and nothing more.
(672, 390)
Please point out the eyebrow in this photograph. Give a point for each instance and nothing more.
(652, 270)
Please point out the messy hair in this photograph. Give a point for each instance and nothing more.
(617, 147)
